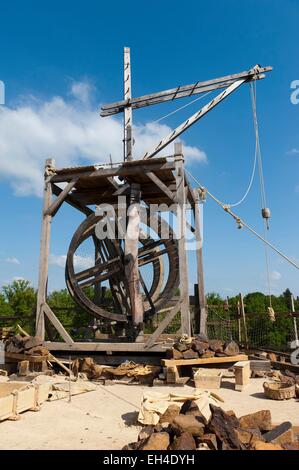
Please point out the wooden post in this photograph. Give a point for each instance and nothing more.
(244, 319)
(200, 277)
(181, 214)
(294, 320)
(128, 110)
(131, 259)
(239, 322)
(44, 250)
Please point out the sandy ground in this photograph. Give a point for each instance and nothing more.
(103, 419)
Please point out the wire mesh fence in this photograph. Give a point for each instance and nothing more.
(261, 331)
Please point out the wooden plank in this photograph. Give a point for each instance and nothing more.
(54, 207)
(161, 185)
(183, 267)
(24, 357)
(106, 347)
(120, 170)
(174, 134)
(210, 360)
(57, 324)
(72, 201)
(179, 92)
(163, 324)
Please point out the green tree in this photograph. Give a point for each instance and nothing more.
(21, 298)
(5, 308)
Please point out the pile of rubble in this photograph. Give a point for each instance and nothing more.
(186, 428)
(128, 372)
(31, 345)
(201, 346)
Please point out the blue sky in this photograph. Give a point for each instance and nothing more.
(61, 60)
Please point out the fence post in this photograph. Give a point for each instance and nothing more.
(244, 319)
(239, 322)
(294, 320)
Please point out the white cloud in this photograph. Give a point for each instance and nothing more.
(18, 278)
(71, 131)
(80, 262)
(57, 260)
(293, 151)
(12, 260)
(275, 276)
(82, 91)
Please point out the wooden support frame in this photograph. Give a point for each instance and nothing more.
(161, 185)
(131, 255)
(181, 91)
(180, 194)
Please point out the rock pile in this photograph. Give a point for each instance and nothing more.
(200, 346)
(186, 428)
(31, 345)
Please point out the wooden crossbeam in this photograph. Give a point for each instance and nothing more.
(161, 185)
(54, 207)
(193, 119)
(72, 201)
(181, 92)
(163, 324)
(57, 324)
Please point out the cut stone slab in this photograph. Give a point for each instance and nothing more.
(210, 439)
(231, 349)
(261, 420)
(37, 351)
(173, 354)
(207, 354)
(200, 346)
(291, 445)
(190, 354)
(188, 423)
(216, 345)
(169, 415)
(280, 434)
(184, 442)
(157, 441)
(181, 347)
(224, 426)
(249, 436)
(260, 445)
(32, 342)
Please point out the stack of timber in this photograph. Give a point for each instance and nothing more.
(186, 428)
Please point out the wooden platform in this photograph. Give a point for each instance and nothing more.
(199, 361)
(14, 357)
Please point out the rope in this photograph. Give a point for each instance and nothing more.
(181, 107)
(241, 222)
(262, 185)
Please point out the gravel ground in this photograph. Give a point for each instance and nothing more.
(103, 419)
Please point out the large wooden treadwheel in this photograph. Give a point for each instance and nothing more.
(158, 270)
